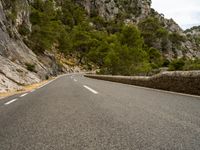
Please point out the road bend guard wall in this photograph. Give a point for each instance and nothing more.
(179, 81)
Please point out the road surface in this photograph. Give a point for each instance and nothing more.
(78, 113)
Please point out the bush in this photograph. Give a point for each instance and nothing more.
(192, 65)
(155, 57)
(24, 30)
(177, 64)
(166, 63)
(30, 67)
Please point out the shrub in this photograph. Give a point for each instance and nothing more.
(155, 57)
(24, 29)
(177, 64)
(192, 65)
(30, 67)
(166, 63)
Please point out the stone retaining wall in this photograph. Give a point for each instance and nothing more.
(179, 81)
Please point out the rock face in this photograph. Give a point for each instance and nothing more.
(193, 35)
(188, 48)
(15, 55)
(13, 76)
(110, 9)
(137, 10)
(194, 31)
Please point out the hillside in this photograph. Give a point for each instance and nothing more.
(39, 39)
(167, 37)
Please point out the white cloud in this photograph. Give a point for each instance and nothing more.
(185, 12)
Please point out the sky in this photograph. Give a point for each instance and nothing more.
(185, 12)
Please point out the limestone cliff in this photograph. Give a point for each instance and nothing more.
(134, 11)
(111, 9)
(15, 56)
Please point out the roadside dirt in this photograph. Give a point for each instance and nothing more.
(24, 89)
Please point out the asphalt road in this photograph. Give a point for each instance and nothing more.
(78, 113)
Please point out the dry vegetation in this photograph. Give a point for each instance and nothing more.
(24, 89)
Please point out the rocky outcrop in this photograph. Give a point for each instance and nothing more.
(194, 31)
(15, 55)
(188, 48)
(134, 11)
(111, 9)
(13, 76)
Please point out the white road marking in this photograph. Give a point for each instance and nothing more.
(23, 95)
(75, 80)
(10, 102)
(90, 89)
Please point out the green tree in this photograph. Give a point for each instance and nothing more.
(72, 14)
(155, 58)
(152, 31)
(126, 55)
(131, 37)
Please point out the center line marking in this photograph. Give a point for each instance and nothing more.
(10, 102)
(23, 95)
(90, 89)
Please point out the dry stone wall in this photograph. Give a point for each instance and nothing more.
(179, 81)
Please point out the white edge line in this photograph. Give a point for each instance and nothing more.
(10, 102)
(24, 95)
(90, 89)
